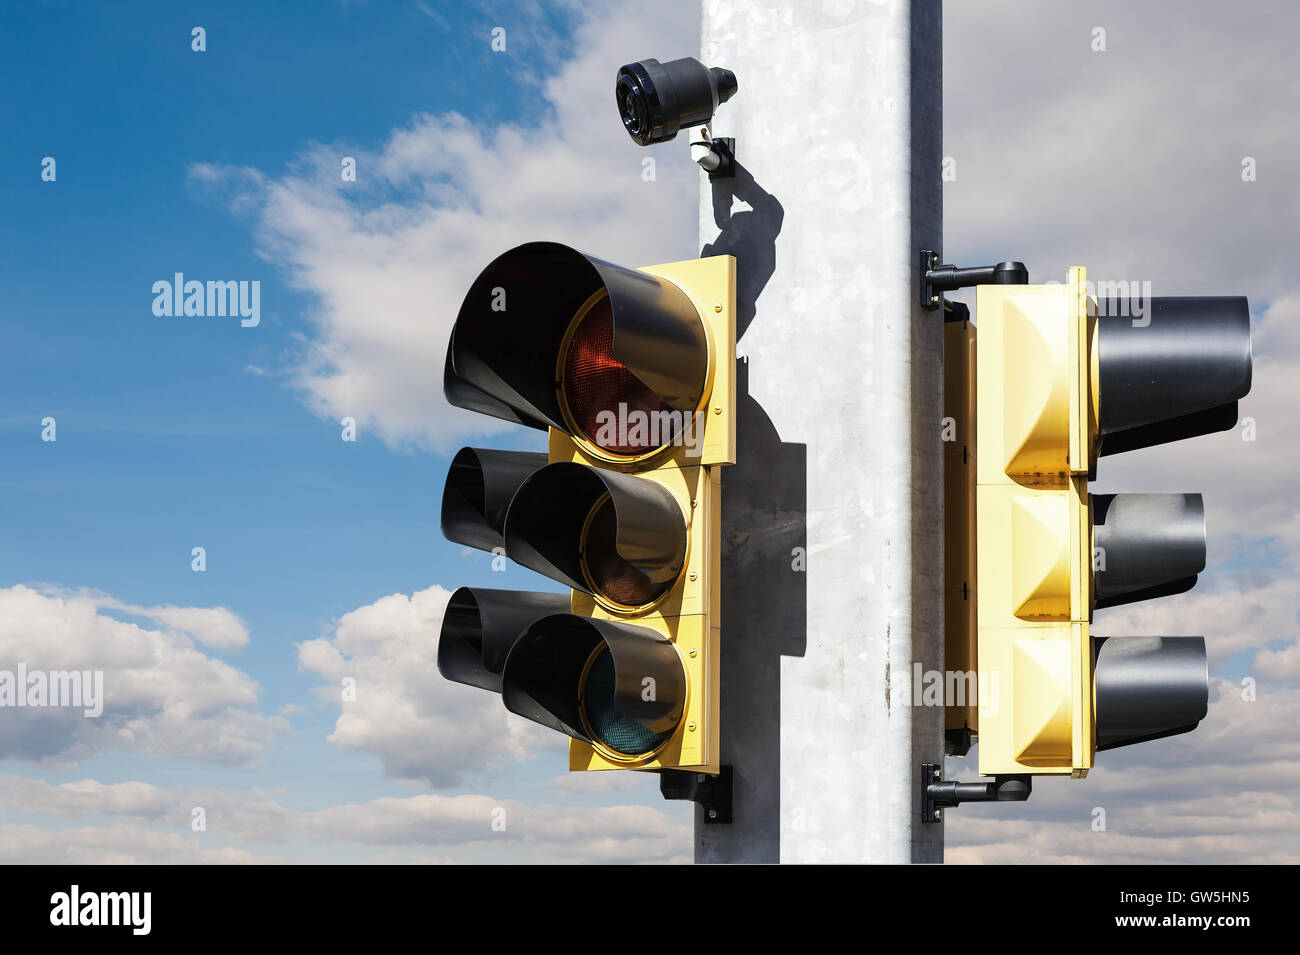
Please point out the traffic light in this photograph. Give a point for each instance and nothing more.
(631, 371)
(1057, 383)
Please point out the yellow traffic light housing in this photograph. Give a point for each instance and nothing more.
(704, 435)
(632, 373)
(688, 613)
(1057, 380)
(1034, 392)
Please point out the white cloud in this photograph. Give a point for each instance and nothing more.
(605, 834)
(215, 627)
(1235, 613)
(420, 725)
(474, 826)
(1127, 161)
(387, 274)
(118, 845)
(162, 696)
(646, 784)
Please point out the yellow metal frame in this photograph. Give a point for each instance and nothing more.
(1035, 389)
(689, 614)
(691, 488)
(710, 284)
(959, 529)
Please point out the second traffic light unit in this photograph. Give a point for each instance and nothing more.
(631, 373)
(1051, 386)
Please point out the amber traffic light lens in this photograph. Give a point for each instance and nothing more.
(612, 576)
(611, 408)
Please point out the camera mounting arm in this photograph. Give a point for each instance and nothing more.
(717, 157)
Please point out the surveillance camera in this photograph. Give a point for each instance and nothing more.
(657, 99)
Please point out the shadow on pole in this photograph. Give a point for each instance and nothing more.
(764, 528)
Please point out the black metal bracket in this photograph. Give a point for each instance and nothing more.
(936, 794)
(724, 147)
(937, 279)
(711, 792)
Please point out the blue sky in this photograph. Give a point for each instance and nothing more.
(165, 439)
(181, 432)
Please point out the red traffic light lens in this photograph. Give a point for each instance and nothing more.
(611, 408)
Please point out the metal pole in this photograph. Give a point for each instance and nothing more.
(832, 576)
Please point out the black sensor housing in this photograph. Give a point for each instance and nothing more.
(657, 99)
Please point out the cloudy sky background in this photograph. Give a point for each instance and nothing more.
(1129, 161)
(325, 561)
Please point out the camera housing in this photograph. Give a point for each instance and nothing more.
(657, 99)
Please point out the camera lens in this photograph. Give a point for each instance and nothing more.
(632, 107)
(639, 103)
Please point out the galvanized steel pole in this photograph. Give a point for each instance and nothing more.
(832, 577)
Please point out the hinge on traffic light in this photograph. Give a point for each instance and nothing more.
(956, 312)
(711, 792)
(957, 742)
(935, 279)
(937, 794)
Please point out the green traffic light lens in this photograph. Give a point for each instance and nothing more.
(608, 724)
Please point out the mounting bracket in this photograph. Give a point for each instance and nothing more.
(711, 792)
(935, 279)
(936, 794)
(725, 147)
(716, 155)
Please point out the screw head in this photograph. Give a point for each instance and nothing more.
(717, 307)
(694, 652)
(694, 575)
(691, 726)
(713, 814)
